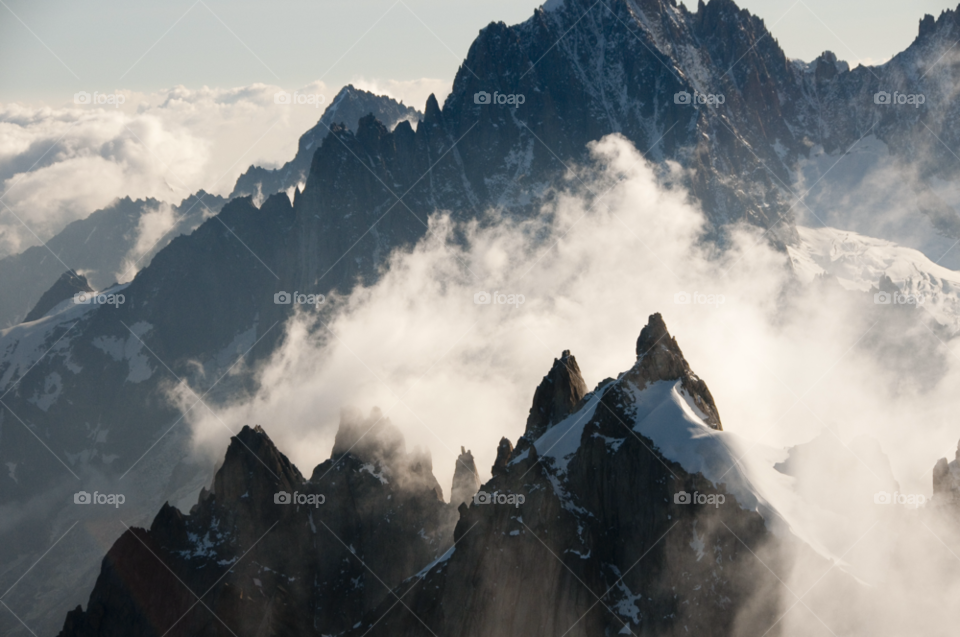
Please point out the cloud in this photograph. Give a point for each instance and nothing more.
(411, 92)
(59, 164)
(152, 226)
(783, 361)
(787, 363)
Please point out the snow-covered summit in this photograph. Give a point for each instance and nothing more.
(859, 263)
(662, 403)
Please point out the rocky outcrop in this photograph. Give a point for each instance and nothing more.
(659, 359)
(504, 453)
(466, 479)
(556, 396)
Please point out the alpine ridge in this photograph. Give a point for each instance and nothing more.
(584, 531)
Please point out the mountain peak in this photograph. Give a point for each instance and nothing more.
(376, 442)
(253, 459)
(659, 358)
(556, 396)
(431, 112)
(652, 334)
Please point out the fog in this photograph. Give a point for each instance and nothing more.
(60, 163)
(871, 385)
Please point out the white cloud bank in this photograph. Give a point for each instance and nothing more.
(59, 164)
(785, 362)
(782, 361)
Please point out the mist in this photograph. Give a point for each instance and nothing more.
(787, 363)
(60, 163)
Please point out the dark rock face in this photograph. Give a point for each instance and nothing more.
(269, 553)
(504, 453)
(67, 285)
(597, 544)
(558, 393)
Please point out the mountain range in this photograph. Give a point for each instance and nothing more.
(86, 388)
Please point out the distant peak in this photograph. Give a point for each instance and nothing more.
(66, 286)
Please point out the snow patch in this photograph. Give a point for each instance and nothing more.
(129, 348)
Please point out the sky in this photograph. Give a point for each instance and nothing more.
(55, 48)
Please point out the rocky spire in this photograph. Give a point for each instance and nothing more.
(559, 392)
(504, 452)
(466, 479)
(659, 358)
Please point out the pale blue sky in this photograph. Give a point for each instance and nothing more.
(63, 46)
